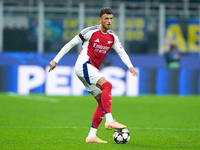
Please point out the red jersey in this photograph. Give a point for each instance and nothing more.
(96, 44)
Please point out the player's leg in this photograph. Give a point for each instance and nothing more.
(98, 114)
(106, 101)
(106, 98)
(96, 120)
(94, 82)
(89, 76)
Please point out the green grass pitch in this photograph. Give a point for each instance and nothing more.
(39, 122)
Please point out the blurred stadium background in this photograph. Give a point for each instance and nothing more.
(33, 31)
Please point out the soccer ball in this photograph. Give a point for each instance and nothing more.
(121, 136)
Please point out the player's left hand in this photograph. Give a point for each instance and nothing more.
(53, 64)
(133, 71)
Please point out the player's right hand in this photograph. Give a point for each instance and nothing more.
(52, 65)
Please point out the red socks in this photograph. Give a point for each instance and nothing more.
(104, 105)
(106, 96)
(98, 115)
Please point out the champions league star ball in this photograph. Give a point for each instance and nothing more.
(121, 136)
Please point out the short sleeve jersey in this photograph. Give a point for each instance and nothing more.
(96, 44)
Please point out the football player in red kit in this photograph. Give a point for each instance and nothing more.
(96, 43)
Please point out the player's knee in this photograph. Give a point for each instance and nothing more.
(107, 85)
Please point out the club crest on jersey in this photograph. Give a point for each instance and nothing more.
(109, 42)
(97, 40)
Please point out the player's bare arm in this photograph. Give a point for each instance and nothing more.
(53, 64)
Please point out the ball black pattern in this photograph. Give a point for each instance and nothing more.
(121, 136)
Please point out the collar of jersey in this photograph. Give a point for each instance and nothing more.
(101, 31)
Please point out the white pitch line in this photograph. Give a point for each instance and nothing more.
(44, 127)
(164, 129)
(73, 127)
(34, 97)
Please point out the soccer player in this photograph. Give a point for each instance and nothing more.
(96, 43)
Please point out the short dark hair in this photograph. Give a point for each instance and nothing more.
(105, 10)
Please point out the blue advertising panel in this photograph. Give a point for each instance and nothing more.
(167, 81)
(8, 78)
(26, 73)
(188, 82)
(147, 80)
(26, 79)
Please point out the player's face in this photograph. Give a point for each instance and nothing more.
(106, 21)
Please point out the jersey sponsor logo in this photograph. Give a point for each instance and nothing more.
(100, 48)
(109, 42)
(97, 40)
